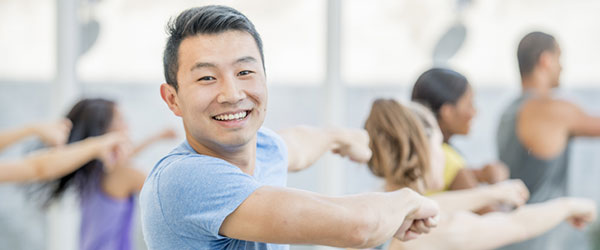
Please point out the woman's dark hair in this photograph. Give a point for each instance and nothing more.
(437, 87)
(90, 117)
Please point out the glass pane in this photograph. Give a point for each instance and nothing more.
(392, 42)
(27, 40)
(132, 38)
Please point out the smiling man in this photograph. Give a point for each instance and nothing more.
(224, 187)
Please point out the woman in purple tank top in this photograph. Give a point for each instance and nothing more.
(106, 197)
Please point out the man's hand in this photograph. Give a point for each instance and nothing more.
(353, 143)
(581, 211)
(53, 133)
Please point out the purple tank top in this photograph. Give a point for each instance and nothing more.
(105, 221)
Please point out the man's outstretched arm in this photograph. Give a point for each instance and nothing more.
(290, 216)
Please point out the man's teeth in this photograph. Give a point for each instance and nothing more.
(229, 117)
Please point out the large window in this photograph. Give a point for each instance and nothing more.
(27, 40)
(392, 42)
(132, 37)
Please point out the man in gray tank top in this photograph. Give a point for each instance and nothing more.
(536, 130)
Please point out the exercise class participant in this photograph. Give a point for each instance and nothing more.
(224, 187)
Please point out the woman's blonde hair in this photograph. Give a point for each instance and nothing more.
(400, 143)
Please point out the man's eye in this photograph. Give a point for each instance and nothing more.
(244, 72)
(206, 78)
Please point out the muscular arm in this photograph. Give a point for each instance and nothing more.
(283, 215)
(55, 162)
(545, 124)
(307, 144)
(581, 123)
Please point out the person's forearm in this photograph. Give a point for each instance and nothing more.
(465, 178)
(467, 199)
(52, 163)
(145, 144)
(291, 216)
(535, 219)
(384, 213)
(61, 161)
(524, 223)
(12, 136)
(307, 144)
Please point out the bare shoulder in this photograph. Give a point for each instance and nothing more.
(549, 108)
(543, 125)
(123, 181)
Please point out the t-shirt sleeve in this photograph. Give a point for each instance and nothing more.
(196, 194)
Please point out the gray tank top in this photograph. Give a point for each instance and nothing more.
(546, 179)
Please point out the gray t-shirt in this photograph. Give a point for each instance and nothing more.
(187, 196)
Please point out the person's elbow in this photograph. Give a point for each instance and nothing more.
(36, 169)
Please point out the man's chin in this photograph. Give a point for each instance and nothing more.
(235, 141)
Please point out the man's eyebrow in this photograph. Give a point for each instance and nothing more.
(246, 59)
(202, 65)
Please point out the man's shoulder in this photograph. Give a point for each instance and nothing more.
(270, 140)
(548, 107)
(184, 161)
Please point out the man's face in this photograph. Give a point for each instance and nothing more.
(222, 93)
(555, 66)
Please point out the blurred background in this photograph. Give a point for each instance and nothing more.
(326, 60)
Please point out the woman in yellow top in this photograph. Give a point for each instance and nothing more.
(449, 96)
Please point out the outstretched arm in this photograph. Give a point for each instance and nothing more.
(162, 135)
(307, 144)
(284, 215)
(527, 222)
(56, 162)
(579, 122)
(52, 133)
(512, 192)
(471, 177)
(497, 229)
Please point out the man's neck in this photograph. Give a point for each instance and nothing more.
(243, 157)
(537, 82)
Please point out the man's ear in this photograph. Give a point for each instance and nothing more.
(545, 59)
(169, 95)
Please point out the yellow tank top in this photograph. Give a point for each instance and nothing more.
(454, 163)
